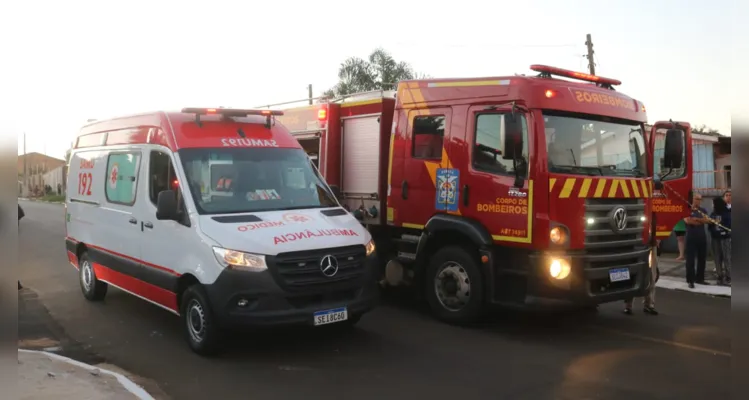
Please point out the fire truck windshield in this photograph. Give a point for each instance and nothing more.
(582, 146)
(240, 180)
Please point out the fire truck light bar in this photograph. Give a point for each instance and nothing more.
(545, 69)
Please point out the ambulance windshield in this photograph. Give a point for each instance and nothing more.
(594, 146)
(241, 180)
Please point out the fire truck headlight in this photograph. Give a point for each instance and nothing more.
(558, 235)
(559, 268)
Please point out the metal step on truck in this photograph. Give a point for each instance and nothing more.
(515, 190)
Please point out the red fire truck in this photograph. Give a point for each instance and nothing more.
(517, 190)
(672, 196)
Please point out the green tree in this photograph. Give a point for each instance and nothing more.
(704, 130)
(380, 71)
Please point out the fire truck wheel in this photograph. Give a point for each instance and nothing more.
(454, 286)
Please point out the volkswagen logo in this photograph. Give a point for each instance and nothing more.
(329, 266)
(619, 219)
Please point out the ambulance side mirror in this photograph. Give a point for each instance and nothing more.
(166, 206)
(673, 152)
(336, 192)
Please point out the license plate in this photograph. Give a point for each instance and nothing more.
(619, 274)
(330, 316)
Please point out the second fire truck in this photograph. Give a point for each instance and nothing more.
(515, 190)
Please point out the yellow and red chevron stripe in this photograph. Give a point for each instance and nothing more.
(603, 188)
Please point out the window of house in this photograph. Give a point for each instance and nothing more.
(727, 170)
(428, 134)
(122, 177)
(488, 144)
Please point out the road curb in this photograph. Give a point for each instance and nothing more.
(129, 385)
(678, 284)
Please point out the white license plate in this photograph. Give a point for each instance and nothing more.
(330, 316)
(619, 274)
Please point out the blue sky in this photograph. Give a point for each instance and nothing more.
(87, 59)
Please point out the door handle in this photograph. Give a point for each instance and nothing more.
(133, 220)
(148, 225)
(465, 195)
(404, 190)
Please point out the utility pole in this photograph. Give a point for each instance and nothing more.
(309, 89)
(591, 60)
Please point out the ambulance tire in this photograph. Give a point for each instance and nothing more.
(460, 263)
(202, 333)
(93, 289)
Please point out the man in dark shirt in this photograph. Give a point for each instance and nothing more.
(696, 246)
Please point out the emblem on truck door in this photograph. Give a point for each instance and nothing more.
(329, 266)
(619, 219)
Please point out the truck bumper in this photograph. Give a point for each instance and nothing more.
(241, 299)
(529, 283)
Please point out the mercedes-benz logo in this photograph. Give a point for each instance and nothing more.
(619, 219)
(329, 266)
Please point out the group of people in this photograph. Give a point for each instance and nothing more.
(692, 240)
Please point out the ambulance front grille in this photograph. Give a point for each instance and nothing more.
(302, 269)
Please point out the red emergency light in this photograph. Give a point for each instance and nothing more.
(231, 112)
(547, 70)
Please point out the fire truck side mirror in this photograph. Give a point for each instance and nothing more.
(512, 146)
(673, 152)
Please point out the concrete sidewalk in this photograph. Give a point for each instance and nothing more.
(43, 375)
(51, 365)
(673, 276)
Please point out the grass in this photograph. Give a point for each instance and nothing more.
(53, 198)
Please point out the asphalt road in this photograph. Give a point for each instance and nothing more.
(397, 351)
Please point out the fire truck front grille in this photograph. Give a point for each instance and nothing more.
(601, 235)
(302, 269)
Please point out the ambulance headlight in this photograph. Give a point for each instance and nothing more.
(240, 260)
(370, 247)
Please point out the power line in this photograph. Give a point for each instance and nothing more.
(414, 44)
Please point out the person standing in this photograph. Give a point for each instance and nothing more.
(648, 302)
(680, 230)
(696, 243)
(717, 236)
(725, 229)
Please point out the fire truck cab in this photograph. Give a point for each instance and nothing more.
(516, 190)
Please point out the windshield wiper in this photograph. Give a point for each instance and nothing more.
(588, 169)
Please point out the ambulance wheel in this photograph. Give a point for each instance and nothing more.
(201, 331)
(454, 286)
(93, 289)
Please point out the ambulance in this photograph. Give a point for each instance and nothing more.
(217, 216)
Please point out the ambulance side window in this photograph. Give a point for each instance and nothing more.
(428, 134)
(122, 177)
(487, 154)
(161, 176)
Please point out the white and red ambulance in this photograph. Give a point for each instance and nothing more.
(218, 216)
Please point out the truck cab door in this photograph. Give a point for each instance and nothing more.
(425, 166)
(670, 201)
(504, 209)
